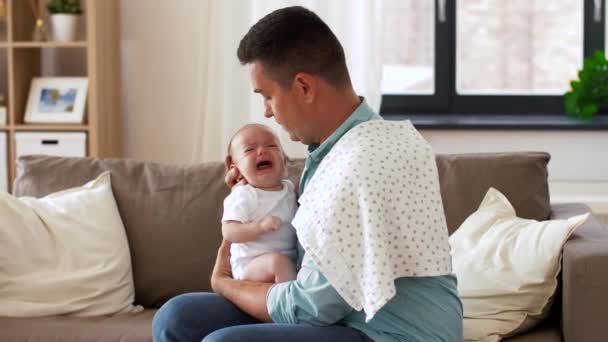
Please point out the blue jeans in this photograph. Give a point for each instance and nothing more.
(210, 318)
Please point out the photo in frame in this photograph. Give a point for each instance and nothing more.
(56, 100)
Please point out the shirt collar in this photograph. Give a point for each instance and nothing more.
(361, 114)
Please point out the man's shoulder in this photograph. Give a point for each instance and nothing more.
(377, 133)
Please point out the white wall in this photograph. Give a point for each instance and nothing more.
(161, 52)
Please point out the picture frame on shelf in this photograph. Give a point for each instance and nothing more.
(56, 100)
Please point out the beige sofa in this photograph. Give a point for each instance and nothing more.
(172, 219)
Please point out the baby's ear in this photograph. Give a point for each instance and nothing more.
(228, 163)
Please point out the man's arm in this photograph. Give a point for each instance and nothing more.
(247, 295)
(310, 299)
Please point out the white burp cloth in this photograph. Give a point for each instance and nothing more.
(373, 213)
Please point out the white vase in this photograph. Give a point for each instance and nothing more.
(64, 27)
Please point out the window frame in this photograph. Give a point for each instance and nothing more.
(446, 100)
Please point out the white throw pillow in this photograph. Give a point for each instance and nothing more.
(507, 267)
(66, 253)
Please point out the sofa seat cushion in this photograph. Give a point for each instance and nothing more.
(138, 328)
(547, 332)
(124, 328)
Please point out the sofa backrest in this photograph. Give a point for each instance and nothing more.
(172, 213)
(521, 176)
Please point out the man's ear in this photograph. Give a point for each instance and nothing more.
(306, 85)
(285, 161)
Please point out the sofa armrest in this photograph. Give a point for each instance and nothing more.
(584, 278)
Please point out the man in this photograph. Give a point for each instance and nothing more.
(297, 64)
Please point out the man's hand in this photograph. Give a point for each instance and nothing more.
(270, 224)
(247, 295)
(222, 269)
(233, 176)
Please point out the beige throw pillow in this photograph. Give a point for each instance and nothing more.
(507, 267)
(64, 254)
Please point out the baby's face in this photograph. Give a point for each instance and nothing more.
(258, 156)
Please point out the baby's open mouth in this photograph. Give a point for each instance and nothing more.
(264, 164)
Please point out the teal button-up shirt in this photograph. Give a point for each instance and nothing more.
(424, 309)
(317, 152)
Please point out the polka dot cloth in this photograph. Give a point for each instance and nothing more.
(372, 213)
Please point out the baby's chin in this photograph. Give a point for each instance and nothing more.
(266, 181)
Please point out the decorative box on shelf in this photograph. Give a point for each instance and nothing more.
(66, 144)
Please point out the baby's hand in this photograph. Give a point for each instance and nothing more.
(270, 224)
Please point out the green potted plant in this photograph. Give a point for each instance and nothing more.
(589, 94)
(65, 15)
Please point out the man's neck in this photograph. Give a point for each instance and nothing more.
(338, 111)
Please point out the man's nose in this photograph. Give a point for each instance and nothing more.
(268, 112)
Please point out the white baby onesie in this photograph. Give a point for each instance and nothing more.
(249, 204)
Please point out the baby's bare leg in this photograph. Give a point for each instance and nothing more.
(270, 268)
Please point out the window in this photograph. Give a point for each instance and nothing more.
(513, 47)
(405, 70)
(513, 57)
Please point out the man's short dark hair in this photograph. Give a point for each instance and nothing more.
(292, 40)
